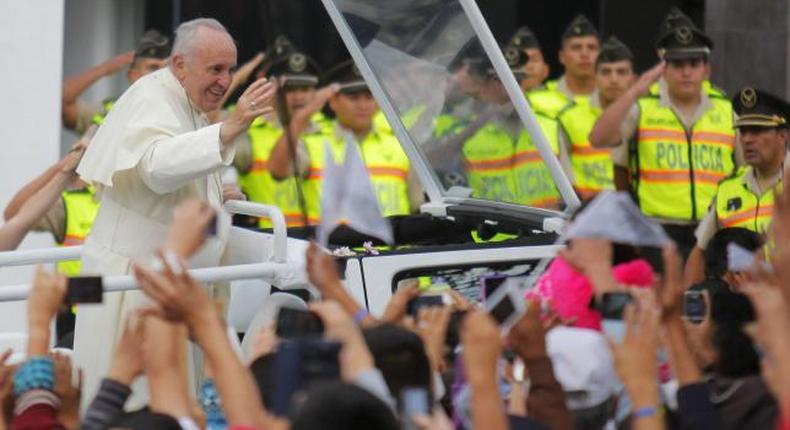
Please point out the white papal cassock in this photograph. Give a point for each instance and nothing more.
(154, 150)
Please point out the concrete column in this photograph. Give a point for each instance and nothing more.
(752, 42)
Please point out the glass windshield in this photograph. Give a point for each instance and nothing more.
(443, 89)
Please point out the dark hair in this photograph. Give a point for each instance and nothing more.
(262, 370)
(145, 419)
(400, 355)
(341, 406)
(716, 253)
(736, 355)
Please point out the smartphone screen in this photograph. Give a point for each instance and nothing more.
(293, 323)
(503, 309)
(414, 402)
(694, 306)
(489, 284)
(84, 289)
(613, 305)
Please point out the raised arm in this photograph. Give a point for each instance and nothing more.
(280, 163)
(15, 230)
(606, 133)
(75, 85)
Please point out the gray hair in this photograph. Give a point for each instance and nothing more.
(186, 33)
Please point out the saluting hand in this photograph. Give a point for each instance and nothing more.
(642, 85)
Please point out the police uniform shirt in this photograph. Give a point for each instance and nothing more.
(415, 190)
(710, 224)
(631, 124)
(562, 86)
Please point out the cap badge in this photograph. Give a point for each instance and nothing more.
(683, 35)
(748, 98)
(297, 62)
(512, 56)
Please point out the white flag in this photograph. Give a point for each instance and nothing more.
(347, 197)
(615, 217)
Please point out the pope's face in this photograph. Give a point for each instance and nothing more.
(205, 71)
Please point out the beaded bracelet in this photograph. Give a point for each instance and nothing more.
(360, 316)
(646, 412)
(35, 373)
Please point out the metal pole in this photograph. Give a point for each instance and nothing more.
(37, 256)
(520, 102)
(269, 271)
(279, 228)
(428, 182)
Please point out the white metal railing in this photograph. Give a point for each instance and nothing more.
(37, 256)
(277, 272)
(282, 275)
(52, 255)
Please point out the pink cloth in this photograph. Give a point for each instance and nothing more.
(568, 292)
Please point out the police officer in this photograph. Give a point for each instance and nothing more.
(580, 46)
(593, 168)
(297, 75)
(395, 184)
(535, 68)
(150, 55)
(682, 141)
(746, 198)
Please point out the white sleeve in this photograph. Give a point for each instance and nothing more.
(171, 163)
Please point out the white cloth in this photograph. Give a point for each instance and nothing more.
(154, 150)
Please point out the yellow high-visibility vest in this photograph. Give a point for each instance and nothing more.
(388, 167)
(534, 183)
(488, 158)
(738, 206)
(260, 186)
(81, 209)
(593, 170)
(676, 172)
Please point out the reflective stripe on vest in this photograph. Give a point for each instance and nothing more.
(388, 167)
(488, 159)
(677, 173)
(593, 170)
(738, 206)
(98, 117)
(80, 209)
(534, 184)
(261, 187)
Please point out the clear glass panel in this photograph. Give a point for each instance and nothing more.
(435, 73)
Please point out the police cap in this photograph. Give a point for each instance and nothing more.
(757, 108)
(579, 27)
(613, 50)
(295, 68)
(348, 76)
(524, 38)
(152, 44)
(680, 39)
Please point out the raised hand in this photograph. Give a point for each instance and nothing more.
(642, 85)
(188, 228)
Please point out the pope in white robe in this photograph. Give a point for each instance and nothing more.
(155, 149)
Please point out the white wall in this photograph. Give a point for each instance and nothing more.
(31, 40)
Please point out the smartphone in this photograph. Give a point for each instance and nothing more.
(297, 365)
(489, 284)
(506, 305)
(84, 289)
(613, 304)
(694, 308)
(297, 323)
(425, 300)
(413, 402)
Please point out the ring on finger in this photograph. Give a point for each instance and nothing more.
(252, 104)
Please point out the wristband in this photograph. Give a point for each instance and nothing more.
(360, 316)
(647, 412)
(35, 373)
